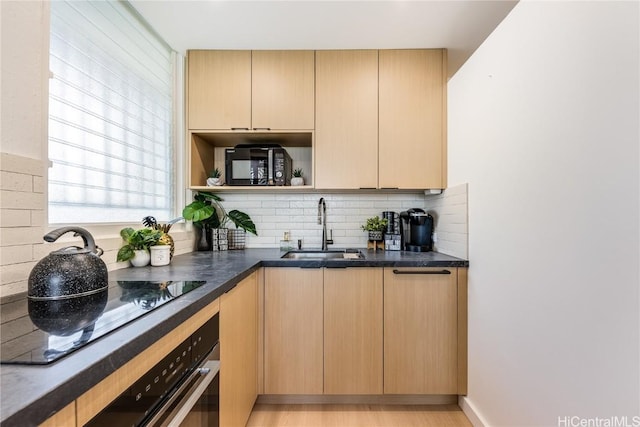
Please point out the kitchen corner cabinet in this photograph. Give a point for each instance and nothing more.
(239, 352)
(353, 331)
(245, 90)
(346, 144)
(293, 331)
(421, 348)
(412, 117)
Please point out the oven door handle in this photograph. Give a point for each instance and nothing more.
(207, 373)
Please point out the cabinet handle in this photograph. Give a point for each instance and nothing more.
(389, 188)
(367, 188)
(239, 128)
(421, 272)
(261, 128)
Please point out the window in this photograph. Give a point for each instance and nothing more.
(110, 115)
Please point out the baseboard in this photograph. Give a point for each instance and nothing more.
(385, 399)
(471, 412)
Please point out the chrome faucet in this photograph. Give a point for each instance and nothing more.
(322, 219)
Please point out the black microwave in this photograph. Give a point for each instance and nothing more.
(257, 164)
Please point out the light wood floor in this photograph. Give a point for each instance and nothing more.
(265, 415)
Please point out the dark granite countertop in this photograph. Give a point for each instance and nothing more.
(30, 394)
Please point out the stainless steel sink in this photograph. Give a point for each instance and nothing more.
(320, 255)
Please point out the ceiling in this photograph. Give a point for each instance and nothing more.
(458, 25)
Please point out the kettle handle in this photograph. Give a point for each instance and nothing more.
(89, 243)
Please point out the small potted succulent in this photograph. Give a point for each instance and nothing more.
(297, 179)
(138, 242)
(215, 178)
(375, 226)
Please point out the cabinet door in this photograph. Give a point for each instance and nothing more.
(353, 331)
(293, 331)
(420, 331)
(346, 144)
(65, 417)
(412, 119)
(219, 93)
(283, 89)
(238, 352)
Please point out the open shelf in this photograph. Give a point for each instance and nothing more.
(243, 188)
(207, 152)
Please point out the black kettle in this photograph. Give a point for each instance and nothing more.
(69, 272)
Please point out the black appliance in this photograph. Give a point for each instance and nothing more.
(416, 228)
(393, 226)
(257, 164)
(68, 272)
(40, 331)
(180, 390)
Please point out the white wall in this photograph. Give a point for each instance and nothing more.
(543, 125)
(24, 41)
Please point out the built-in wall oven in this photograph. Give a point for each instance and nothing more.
(181, 390)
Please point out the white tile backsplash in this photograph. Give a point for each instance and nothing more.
(297, 213)
(450, 212)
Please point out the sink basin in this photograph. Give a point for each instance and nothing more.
(319, 255)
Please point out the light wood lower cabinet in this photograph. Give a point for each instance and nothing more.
(239, 352)
(353, 331)
(293, 331)
(66, 417)
(365, 331)
(420, 331)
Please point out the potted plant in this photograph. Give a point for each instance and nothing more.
(215, 178)
(297, 177)
(375, 226)
(208, 214)
(138, 242)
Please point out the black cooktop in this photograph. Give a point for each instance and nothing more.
(40, 332)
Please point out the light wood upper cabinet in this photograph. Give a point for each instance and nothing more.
(259, 90)
(239, 352)
(346, 144)
(283, 89)
(293, 331)
(421, 331)
(412, 142)
(353, 331)
(219, 89)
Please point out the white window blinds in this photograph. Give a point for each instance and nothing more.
(110, 115)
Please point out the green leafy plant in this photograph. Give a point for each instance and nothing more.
(135, 240)
(297, 172)
(375, 224)
(206, 211)
(215, 173)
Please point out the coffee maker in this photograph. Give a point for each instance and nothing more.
(416, 229)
